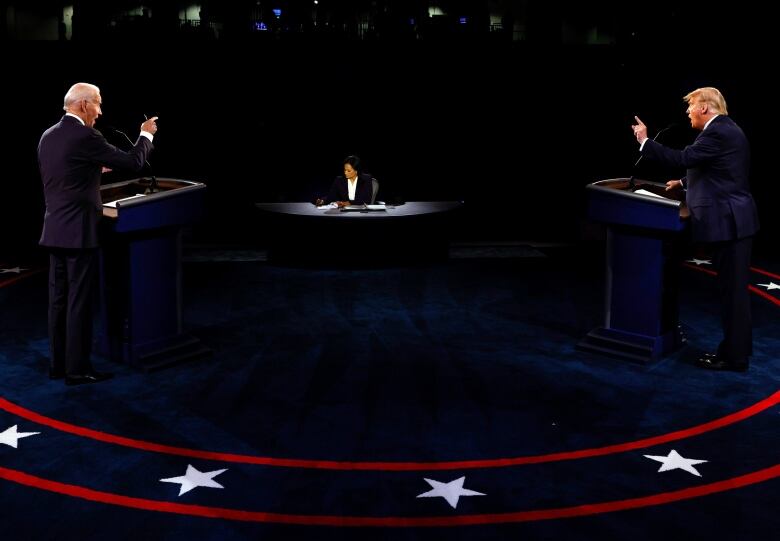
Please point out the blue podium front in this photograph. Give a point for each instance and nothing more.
(641, 319)
(140, 271)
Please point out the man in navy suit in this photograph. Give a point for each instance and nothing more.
(71, 156)
(723, 213)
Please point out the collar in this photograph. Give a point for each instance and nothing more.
(709, 122)
(76, 117)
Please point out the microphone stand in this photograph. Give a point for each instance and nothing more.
(153, 186)
(631, 182)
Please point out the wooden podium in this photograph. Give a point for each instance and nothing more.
(641, 321)
(140, 271)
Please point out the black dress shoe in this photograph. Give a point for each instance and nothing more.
(89, 377)
(56, 373)
(710, 361)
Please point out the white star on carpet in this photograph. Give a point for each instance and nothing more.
(451, 491)
(194, 479)
(15, 270)
(675, 462)
(11, 437)
(770, 286)
(698, 262)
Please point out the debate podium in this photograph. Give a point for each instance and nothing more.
(641, 320)
(140, 271)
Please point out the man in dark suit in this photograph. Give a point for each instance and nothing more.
(723, 213)
(71, 157)
(354, 188)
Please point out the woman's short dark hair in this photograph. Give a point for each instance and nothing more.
(354, 161)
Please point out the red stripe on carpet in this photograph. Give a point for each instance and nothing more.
(765, 272)
(336, 520)
(391, 466)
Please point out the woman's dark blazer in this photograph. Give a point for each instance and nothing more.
(340, 192)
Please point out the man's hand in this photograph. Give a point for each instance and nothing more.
(673, 185)
(150, 125)
(640, 130)
(105, 170)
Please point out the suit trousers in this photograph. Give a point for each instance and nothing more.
(732, 263)
(72, 274)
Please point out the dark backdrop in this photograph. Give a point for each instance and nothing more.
(514, 130)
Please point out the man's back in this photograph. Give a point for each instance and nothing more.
(71, 186)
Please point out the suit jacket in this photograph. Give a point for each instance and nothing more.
(70, 157)
(716, 182)
(339, 191)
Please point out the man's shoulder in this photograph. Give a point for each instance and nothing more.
(723, 122)
(725, 127)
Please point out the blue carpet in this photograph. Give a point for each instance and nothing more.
(467, 361)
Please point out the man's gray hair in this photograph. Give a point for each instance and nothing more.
(78, 92)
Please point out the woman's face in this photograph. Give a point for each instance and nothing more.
(349, 171)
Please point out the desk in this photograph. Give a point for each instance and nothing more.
(412, 208)
(409, 233)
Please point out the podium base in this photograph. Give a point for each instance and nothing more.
(183, 348)
(155, 355)
(629, 346)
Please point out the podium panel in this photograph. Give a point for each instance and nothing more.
(641, 321)
(140, 271)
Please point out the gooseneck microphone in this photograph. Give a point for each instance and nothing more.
(153, 187)
(631, 183)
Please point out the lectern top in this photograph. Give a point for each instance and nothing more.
(142, 191)
(623, 188)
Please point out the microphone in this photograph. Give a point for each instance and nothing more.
(631, 183)
(153, 187)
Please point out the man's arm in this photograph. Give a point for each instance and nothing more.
(100, 151)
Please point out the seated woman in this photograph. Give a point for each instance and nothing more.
(354, 188)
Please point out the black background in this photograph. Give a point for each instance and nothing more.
(516, 130)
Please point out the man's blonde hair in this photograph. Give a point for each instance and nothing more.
(709, 95)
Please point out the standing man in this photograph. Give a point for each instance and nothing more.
(71, 155)
(723, 213)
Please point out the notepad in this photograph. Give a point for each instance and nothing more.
(363, 208)
(645, 192)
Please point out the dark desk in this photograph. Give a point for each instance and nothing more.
(301, 233)
(412, 208)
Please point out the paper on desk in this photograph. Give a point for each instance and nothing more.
(112, 204)
(328, 206)
(645, 192)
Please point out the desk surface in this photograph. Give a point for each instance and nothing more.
(411, 208)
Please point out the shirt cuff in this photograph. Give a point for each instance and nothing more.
(147, 135)
(641, 145)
